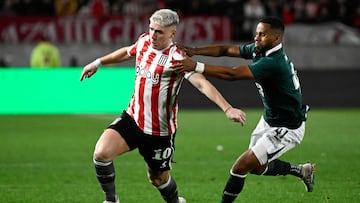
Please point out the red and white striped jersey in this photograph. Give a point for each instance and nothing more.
(154, 103)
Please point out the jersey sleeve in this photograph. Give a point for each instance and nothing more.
(263, 68)
(132, 49)
(247, 50)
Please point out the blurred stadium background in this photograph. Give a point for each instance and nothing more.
(47, 158)
(322, 38)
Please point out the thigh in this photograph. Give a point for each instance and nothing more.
(110, 145)
(258, 132)
(121, 136)
(127, 128)
(276, 141)
(157, 151)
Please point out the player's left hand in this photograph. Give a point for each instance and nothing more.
(185, 49)
(236, 115)
(186, 64)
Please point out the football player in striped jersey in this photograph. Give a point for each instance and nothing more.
(149, 123)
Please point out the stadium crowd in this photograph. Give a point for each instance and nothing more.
(243, 13)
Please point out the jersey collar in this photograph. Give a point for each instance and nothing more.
(162, 50)
(272, 50)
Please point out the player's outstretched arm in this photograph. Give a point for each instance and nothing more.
(205, 87)
(211, 50)
(117, 56)
(186, 64)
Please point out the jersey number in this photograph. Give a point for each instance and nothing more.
(162, 154)
(295, 78)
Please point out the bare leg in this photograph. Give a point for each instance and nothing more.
(109, 145)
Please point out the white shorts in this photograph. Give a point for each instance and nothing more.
(269, 143)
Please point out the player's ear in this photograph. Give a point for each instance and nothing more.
(278, 36)
(173, 32)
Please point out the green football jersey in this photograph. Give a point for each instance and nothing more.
(278, 85)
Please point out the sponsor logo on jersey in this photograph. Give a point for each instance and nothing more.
(145, 73)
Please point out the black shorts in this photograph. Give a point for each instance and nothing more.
(157, 151)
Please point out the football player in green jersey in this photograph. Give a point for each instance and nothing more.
(282, 124)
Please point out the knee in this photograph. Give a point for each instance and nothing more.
(157, 178)
(259, 170)
(101, 155)
(239, 169)
(246, 163)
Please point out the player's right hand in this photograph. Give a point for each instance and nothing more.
(88, 71)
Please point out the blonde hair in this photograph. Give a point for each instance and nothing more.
(165, 17)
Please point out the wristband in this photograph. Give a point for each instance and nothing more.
(200, 67)
(97, 63)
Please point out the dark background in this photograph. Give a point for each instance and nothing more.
(320, 88)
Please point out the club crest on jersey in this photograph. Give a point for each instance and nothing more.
(142, 72)
(163, 59)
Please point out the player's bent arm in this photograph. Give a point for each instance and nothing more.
(217, 50)
(236, 73)
(117, 56)
(204, 86)
(241, 72)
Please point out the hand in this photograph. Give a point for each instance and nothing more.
(236, 115)
(189, 51)
(185, 64)
(88, 71)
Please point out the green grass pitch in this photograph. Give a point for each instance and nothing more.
(48, 158)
